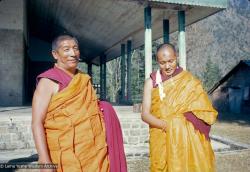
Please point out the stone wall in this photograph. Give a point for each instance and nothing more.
(135, 134)
(16, 133)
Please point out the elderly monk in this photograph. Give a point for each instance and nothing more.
(179, 114)
(67, 123)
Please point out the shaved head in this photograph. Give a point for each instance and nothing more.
(166, 46)
(56, 42)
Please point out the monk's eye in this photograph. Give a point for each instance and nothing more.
(76, 48)
(66, 50)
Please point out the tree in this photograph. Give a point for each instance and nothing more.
(211, 74)
(113, 78)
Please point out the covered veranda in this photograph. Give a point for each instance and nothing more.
(106, 29)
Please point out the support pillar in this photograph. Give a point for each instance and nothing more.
(103, 77)
(165, 31)
(13, 29)
(129, 50)
(122, 98)
(148, 41)
(182, 41)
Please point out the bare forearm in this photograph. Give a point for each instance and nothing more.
(40, 142)
(146, 106)
(153, 121)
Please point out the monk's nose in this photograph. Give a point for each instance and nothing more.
(72, 52)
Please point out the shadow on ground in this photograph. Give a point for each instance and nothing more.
(229, 117)
(12, 165)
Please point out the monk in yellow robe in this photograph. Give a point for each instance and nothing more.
(179, 114)
(67, 124)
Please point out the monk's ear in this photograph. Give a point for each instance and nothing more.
(54, 54)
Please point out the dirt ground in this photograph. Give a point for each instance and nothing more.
(237, 128)
(234, 127)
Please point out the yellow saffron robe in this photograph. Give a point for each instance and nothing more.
(181, 148)
(75, 130)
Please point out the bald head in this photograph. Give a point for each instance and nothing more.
(168, 46)
(56, 42)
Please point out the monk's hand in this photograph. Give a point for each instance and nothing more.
(43, 169)
(163, 126)
(43, 162)
(47, 170)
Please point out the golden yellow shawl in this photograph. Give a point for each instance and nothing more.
(181, 148)
(75, 130)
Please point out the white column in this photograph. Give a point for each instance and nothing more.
(148, 42)
(182, 40)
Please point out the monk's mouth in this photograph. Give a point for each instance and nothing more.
(169, 71)
(73, 61)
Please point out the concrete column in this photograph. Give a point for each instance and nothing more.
(148, 41)
(182, 41)
(122, 73)
(12, 52)
(166, 31)
(103, 77)
(90, 69)
(129, 49)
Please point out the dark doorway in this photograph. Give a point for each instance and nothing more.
(33, 69)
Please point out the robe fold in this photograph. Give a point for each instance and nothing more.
(114, 139)
(75, 130)
(182, 148)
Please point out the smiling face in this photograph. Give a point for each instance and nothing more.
(166, 58)
(67, 54)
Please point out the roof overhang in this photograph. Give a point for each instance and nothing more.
(101, 26)
(204, 3)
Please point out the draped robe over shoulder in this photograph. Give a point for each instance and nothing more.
(182, 148)
(90, 120)
(75, 130)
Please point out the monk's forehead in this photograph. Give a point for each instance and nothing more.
(67, 42)
(166, 52)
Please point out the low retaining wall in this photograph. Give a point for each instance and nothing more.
(16, 134)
